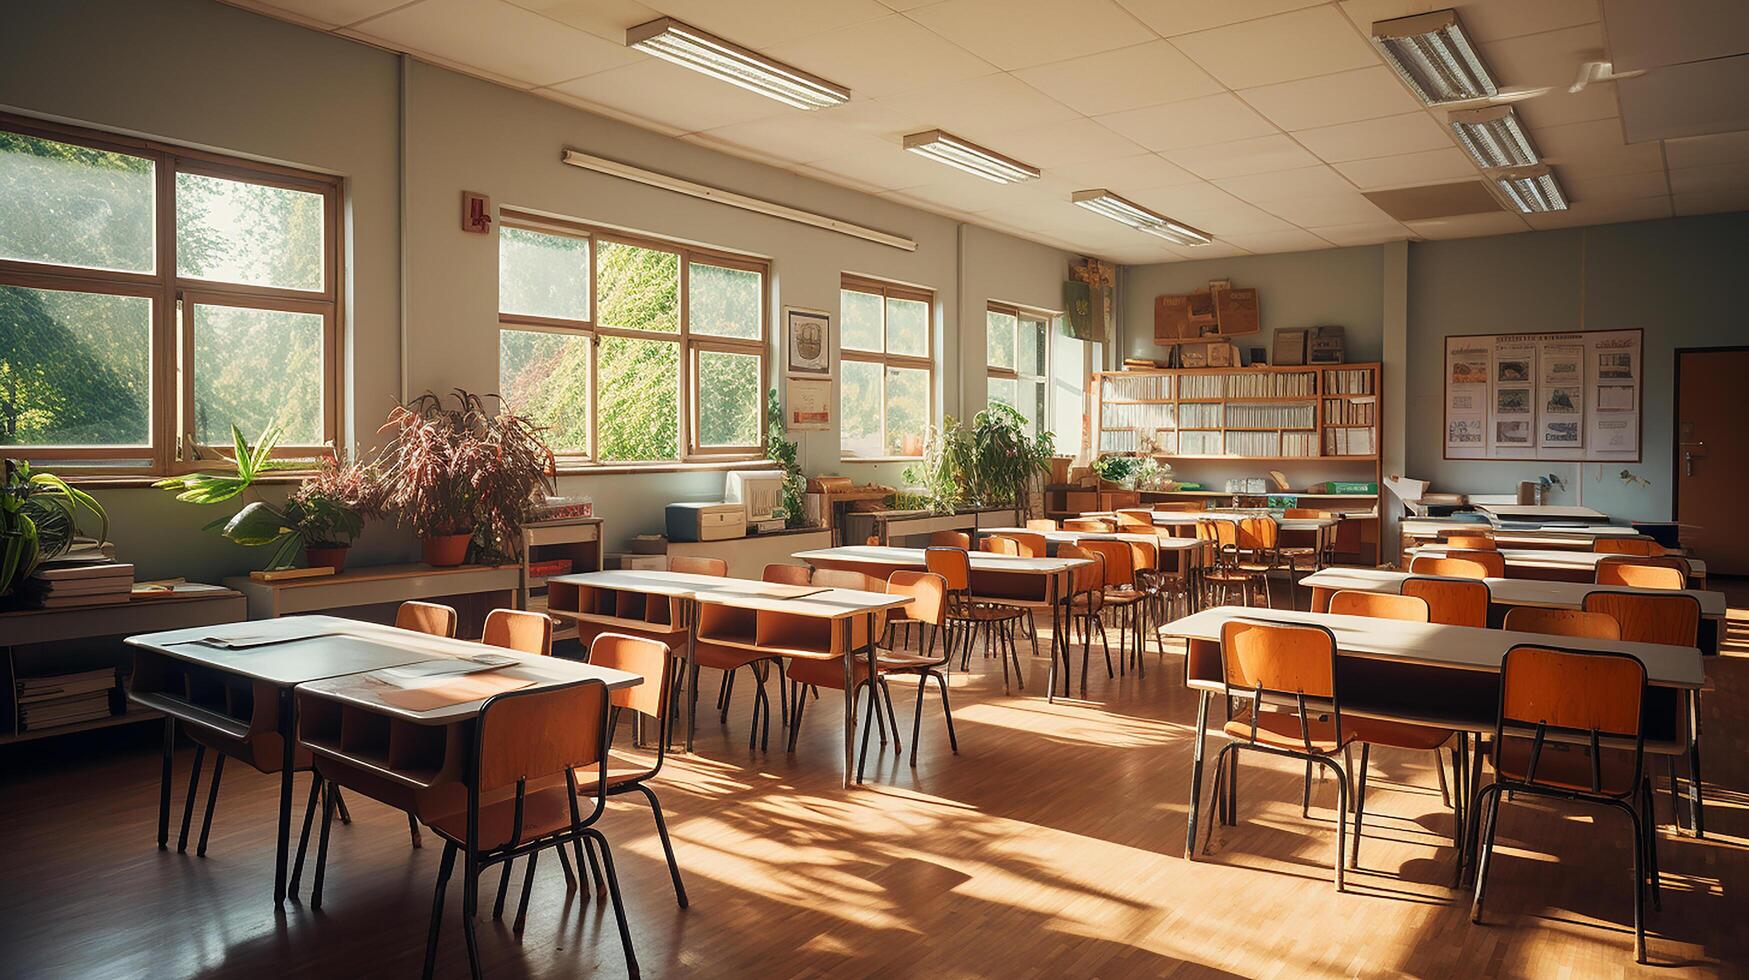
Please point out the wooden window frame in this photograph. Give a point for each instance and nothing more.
(689, 343)
(171, 448)
(926, 363)
(1022, 314)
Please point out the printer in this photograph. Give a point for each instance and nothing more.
(699, 521)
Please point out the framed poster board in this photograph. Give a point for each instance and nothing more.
(807, 342)
(1545, 396)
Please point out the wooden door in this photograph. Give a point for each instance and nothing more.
(1712, 457)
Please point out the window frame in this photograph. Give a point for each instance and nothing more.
(1021, 315)
(171, 448)
(689, 344)
(887, 360)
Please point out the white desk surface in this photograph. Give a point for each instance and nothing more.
(364, 691)
(1460, 647)
(316, 647)
(1072, 537)
(827, 604)
(1543, 512)
(1505, 591)
(682, 584)
(982, 561)
(1175, 518)
(1430, 527)
(1528, 558)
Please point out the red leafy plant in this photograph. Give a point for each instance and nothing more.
(464, 469)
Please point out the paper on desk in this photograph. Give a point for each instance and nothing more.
(429, 673)
(452, 690)
(248, 635)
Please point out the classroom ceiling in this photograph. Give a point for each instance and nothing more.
(1263, 122)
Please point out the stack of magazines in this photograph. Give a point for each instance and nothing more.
(65, 699)
(87, 583)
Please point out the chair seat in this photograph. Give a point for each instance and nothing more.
(1281, 729)
(1231, 575)
(621, 769)
(1121, 597)
(1396, 734)
(1565, 766)
(985, 612)
(830, 673)
(725, 658)
(544, 811)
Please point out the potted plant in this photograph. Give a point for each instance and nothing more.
(785, 453)
(1005, 462)
(939, 477)
(39, 520)
(329, 509)
(462, 474)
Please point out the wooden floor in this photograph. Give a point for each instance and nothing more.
(1052, 846)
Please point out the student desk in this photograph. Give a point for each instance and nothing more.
(1180, 551)
(1507, 592)
(1545, 537)
(659, 605)
(1556, 566)
(238, 693)
(822, 625)
(994, 577)
(1424, 673)
(1544, 512)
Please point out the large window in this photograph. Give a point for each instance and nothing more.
(151, 297)
(887, 377)
(1018, 361)
(630, 350)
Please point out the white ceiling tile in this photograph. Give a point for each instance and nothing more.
(1173, 17)
(862, 57)
(1602, 213)
(887, 171)
(1143, 254)
(1346, 96)
(1655, 33)
(1292, 240)
(1192, 122)
(1134, 173)
(1695, 99)
(1326, 209)
(1315, 41)
(1556, 106)
(1483, 20)
(1712, 202)
(760, 23)
(1369, 233)
(1303, 182)
(837, 180)
(672, 96)
(796, 137)
(1469, 225)
(1718, 177)
(976, 108)
(1614, 187)
(1210, 208)
(1595, 148)
(497, 38)
(1078, 140)
(609, 19)
(1021, 33)
(1700, 151)
(333, 13)
(1408, 169)
(1241, 157)
(1218, 249)
(965, 193)
(1128, 78)
(1543, 60)
(1411, 132)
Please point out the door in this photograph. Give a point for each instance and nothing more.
(1712, 457)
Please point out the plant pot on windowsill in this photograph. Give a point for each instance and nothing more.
(322, 554)
(445, 550)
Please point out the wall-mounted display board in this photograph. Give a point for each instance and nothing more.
(1205, 315)
(1557, 396)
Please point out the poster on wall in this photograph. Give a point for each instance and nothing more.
(807, 342)
(808, 404)
(1554, 396)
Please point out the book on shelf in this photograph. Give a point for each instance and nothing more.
(1119, 415)
(1348, 381)
(1350, 442)
(64, 685)
(1141, 387)
(1351, 411)
(78, 586)
(84, 570)
(1249, 415)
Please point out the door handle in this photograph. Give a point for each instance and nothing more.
(1689, 453)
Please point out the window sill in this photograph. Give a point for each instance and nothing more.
(692, 466)
(879, 459)
(144, 481)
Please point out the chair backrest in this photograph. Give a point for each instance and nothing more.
(1225, 534)
(1300, 513)
(426, 617)
(1452, 567)
(843, 578)
(1645, 547)
(642, 656)
(1041, 524)
(1179, 506)
(1662, 572)
(1470, 542)
(1087, 578)
(1135, 519)
(950, 539)
(784, 573)
(1277, 661)
(1144, 555)
(1580, 693)
(1451, 602)
(1029, 544)
(1650, 617)
(515, 629)
(999, 544)
(1259, 533)
(1096, 525)
(1119, 565)
(1379, 605)
(540, 732)
(697, 565)
(928, 592)
(1562, 622)
(952, 564)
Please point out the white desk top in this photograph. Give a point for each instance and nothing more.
(1528, 558)
(682, 584)
(1460, 647)
(314, 647)
(1073, 537)
(364, 691)
(982, 561)
(1543, 512)
(826, 604)
(1431, 526)
(1506, 591)
(1174, 518)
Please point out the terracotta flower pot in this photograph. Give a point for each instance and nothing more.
(326, 556)
(445, 550)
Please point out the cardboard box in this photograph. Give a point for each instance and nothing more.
(647, 563)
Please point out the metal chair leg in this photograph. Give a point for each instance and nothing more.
(527, 887)
(947, 713)
(619, 911)
(1360, 803)
(188, 804)
(304, 837)
(444, 869)
(322, 846)
(667, 845)
(413, 832)
(1485, 850)
(212, 799)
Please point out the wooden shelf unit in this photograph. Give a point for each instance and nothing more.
(576, 538)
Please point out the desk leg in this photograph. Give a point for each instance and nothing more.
(849, 707)
(164, 786)
(1056, 639)
(1202, 721)
(874, 690)
(288, 736)
(1696, 818)
(691, 668)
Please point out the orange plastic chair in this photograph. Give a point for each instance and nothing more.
(783, 573)
(1135, 520)
(1122, 594)
(1451, 602)
(1470, 542)
(1379, 605)
(693, 565)
(1179, 507)
(1092, 525)
(1041, 524)
(429, 618)
(1086, 600)
(998, 544)
(841, 578)
(1453, 566)
(1650, 617)
(1663, 572)
(951, 539)
(1644, 547)
(1550, 696)
(966, 618)
(1562, 622)
(1303, 513)
(515, 629)
(1029, 545)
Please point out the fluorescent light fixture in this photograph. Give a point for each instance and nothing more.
(689, 47)
(1530, 190)
(1105, 203)
(1493, 138)
(1434, 57)
(970, 157)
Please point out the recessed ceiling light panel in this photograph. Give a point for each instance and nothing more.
(969, 157)
(689, 47)
(1530, 190)
(1493, 137)
(1435, 58)
(1106, 204)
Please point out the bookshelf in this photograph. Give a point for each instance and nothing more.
(1316, 423)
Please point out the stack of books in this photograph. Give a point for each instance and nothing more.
(65, 699)
(91, 583)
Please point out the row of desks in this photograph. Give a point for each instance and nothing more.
(1561, 566)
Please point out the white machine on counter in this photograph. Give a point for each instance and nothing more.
(760, 492)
